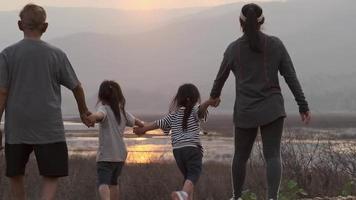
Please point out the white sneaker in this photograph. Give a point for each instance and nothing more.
(179, 195)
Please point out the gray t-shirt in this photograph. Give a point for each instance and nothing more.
(32, 71)
(112, 147)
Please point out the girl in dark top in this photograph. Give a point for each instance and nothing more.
(255, 59)
(184, 118)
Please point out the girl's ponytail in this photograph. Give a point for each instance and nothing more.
(188, 110)
(187, 96)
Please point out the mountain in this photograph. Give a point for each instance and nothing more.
(66, 21)
(151, 64)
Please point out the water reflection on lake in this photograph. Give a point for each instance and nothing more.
(156, 147)
(153, 148)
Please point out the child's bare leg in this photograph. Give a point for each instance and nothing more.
(104, 192)
(188, 187)
(17, 188)
(49, 188)
(114, 192)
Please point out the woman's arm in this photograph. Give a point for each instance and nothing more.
(3, 98)
(287, 70)
(221, 78)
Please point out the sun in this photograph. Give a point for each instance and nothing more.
(142, 4)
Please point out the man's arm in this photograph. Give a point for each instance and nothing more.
(79, 95)
(3, 98)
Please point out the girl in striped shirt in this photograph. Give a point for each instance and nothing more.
(183, 121)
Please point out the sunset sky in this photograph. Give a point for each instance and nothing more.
(122, 4)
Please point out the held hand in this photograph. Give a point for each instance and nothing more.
(91, 119)
(85, 119)
(215, 102)
(140, 123)
(139, 131)
(306, 117)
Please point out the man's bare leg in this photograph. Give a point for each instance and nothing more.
(104, 192)
(114, 192)
(49, 188)
(17, 188)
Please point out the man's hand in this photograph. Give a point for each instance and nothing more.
(214, 102)
(92, 119)
(86, 120)
(306, 117)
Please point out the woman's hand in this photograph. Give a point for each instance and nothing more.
(306, 117)
(214, 102)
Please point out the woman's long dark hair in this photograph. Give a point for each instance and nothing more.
(110, 93)
(187, 96)
(251, 26)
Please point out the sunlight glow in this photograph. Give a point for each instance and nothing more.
(121, 4)
(142, 154)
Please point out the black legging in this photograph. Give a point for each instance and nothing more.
(271, 139)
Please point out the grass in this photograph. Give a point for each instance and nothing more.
(318, 171)
(138, 181)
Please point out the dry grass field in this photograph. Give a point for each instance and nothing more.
(319, 171)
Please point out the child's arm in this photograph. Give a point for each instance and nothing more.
(147, 127)
(163, 124)
(96, 117)
(139, 123)
(203, 108)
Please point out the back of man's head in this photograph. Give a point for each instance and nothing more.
(33, 18)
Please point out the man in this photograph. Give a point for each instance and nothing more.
(31, 73)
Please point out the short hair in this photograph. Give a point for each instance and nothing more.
(33, 16)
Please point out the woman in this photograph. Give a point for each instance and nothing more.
(255, 59)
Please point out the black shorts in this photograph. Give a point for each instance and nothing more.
(190, 162)
(108, 172)
(52, 159)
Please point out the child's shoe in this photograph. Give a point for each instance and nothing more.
(179, 195)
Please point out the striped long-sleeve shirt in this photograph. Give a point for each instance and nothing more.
(182, 138)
